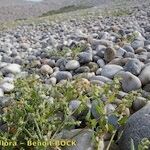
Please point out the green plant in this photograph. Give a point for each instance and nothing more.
(65, 10)
(63, 53)
(101, 126)
(144, 144)
(130, 38)
(38, 112)
(32, 115)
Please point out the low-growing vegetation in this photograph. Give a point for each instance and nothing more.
(65, 9)
(73, 52)
(40, 112)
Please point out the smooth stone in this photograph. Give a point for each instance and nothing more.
(100, 48)
(145, 75)
(12, 68)
(100, 78)
(145, 94)
(109, 54)
(36, 63)
(51, 81)
(74, 105)
(7, 59)
(147, 87)
(113, 146)
(46, 69)
(96, 42)
(113, 120)
(147, 28)
(72, 65)
(110, 108)
(137, 44)
(85, 57)
(96, 58)
(140, 50)
(51, 63)
(120, 52)
(82, 137)
(7, 79)
(5, 101)
(96, 82)
(129, 55)
(63, 75)
(82, 69)
(128, 48)
(7, 87)
(93, 66)
(98, 72)
(109, 71)
(134, 66)
(142, 57)
(129, 81)
(18, 60)
(137, 128)
(94, 112)
(61, 62)
(121, 94)
(101, 63)
(1, 92)
(3, 64)
(139, 103)
(25, 46)
(119, 61)
(86, 75)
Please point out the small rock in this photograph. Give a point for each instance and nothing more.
(113, 146)
(145, 75)
(12, 68)
(5, 101)
(83, 139)
(129, 81)
(46, 69)
(1, 93)
(139, 103)
(147, 87)
(82, 69)
(98, 72)
(110, 54)
(63, 75)
(72, 65)
(137, 44)
(134, 66)
(101, 63)
(74, 104)
(136, 128)
(52, 81)
(93, 66)
(100, 78)
(128, 48)
(110, 108)
(7, 87)
(120, 52)
(85, 75)
(25, 46)
(85, 57)
(109, 71)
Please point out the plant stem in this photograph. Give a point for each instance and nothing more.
(28, 133)
(38, 129)
(112, 137)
